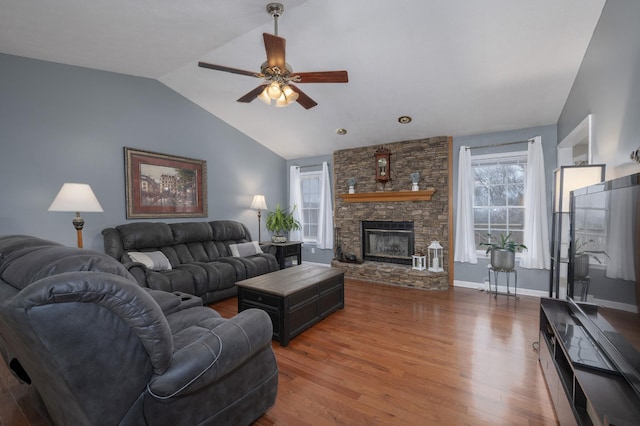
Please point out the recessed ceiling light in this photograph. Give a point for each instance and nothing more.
(405, 119)
(341, 131)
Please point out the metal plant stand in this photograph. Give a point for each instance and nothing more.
(496, 273)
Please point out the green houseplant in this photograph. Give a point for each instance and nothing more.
(280, 221)
(503, 252)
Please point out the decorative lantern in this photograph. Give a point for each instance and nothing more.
(352, 184)
(435, 257)
(415, 178)
(419, 261)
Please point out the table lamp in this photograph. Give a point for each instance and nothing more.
(259, 203)
(76, 197)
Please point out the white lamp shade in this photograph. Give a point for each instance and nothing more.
(258, 203)
(75, 197)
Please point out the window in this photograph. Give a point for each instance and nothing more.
(498, 200)
(310, 183)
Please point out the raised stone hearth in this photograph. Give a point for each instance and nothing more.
(394, 274)
(430, 215)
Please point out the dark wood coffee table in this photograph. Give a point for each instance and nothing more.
(295, 298)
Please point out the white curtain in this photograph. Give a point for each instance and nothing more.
(620, 236)
(536, 228)
(295, 199)
(465, 244)
(325, 219)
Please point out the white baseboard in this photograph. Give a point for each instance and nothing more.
(484, 286)
(469, 284)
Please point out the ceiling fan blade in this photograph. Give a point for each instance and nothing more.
(228, 69)
(322, 77)
(303, 99)
(274, 47)
(252, 94)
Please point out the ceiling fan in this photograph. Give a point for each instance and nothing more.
(279, 77)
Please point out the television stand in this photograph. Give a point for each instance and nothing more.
(584, 385)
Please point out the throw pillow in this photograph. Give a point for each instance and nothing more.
(245, 249)
(154, 260)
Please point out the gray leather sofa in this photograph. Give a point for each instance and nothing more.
(99, 349)
(200, 255)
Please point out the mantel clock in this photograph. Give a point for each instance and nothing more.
(383, 165)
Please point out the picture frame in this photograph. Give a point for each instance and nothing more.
(164, 186)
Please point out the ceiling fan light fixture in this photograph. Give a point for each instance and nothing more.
(264, 96)
(290, 94)
(274, 91)
(277, 74)
(282, 101)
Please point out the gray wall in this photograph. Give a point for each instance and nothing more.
(62, 124)
(310, 253)
(608, 86)
(533, 279)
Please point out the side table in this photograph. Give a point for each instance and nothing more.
(288, 249)
(496, 273)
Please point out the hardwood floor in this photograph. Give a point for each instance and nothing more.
(410, 357)
(396, 356)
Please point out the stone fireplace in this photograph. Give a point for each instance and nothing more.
(387, 241)
(382, 254)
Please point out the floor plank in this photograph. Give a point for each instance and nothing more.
(396, 356)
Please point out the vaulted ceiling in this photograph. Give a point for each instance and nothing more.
(457, 67)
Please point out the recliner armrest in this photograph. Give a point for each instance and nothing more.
(214, 354)
(268, 248)
(139, 271)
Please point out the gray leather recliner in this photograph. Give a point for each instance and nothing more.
(100, 349)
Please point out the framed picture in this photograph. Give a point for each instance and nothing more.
(160, 185)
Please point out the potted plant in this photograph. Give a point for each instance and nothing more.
(583, 258)
(503, 253)
(281, 221)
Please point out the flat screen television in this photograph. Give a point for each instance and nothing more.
(604, 272)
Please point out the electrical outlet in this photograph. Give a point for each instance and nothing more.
(313, 250)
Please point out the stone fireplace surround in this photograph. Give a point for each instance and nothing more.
(431, 218)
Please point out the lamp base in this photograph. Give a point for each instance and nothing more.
(79, 234)
(78, 223)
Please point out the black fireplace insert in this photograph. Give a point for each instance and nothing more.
(387, 241)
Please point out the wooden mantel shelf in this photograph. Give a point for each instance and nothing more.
(385, 196)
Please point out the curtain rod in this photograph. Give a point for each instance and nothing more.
(309, 165)
(499, 144)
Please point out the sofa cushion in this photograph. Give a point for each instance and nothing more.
(228, 230)
(190, 232)
(145, 235)
(245, 249)
(154, 260)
